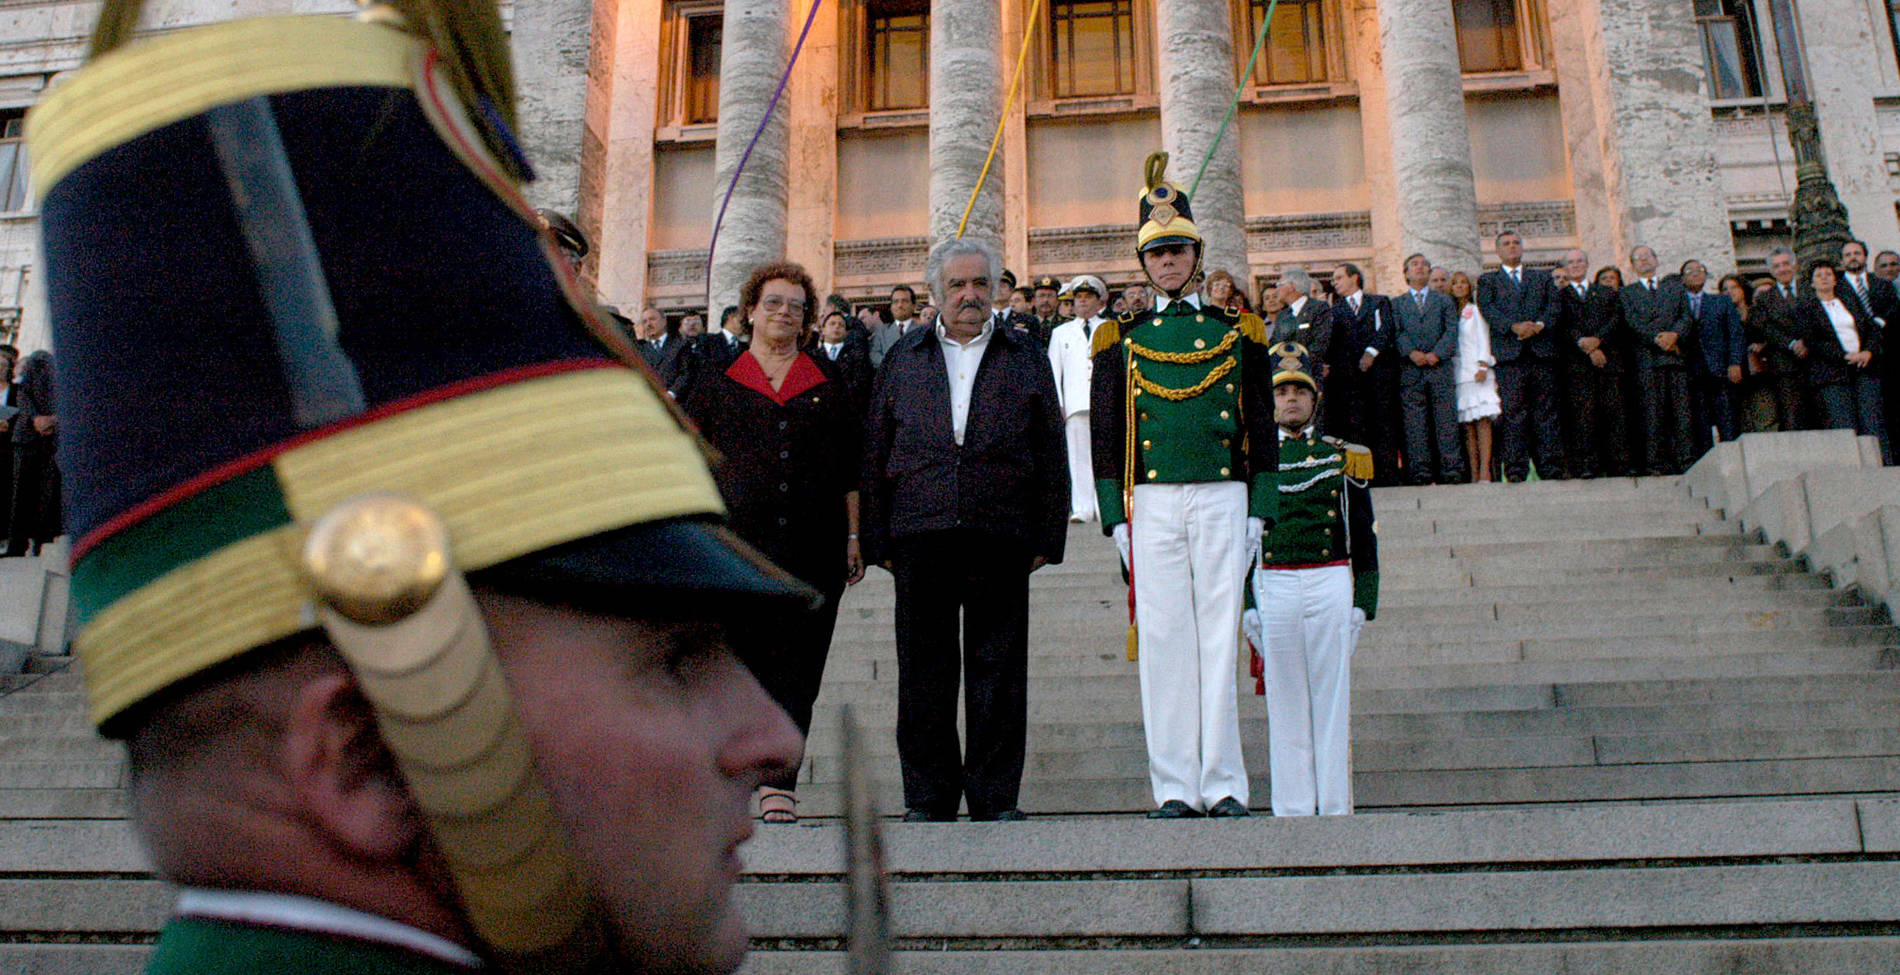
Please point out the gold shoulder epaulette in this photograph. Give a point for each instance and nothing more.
(1358, 464)
(1107, 335)
(1253, 327)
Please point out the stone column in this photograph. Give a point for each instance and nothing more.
(1436, 205)
(617, 178)
(550, 39)
(1382, 195)
(1195, 41)
(1838, 43)
(966, 102)
(1570, 39)
(1013, 154)
(1653, 131)
(753, 48)
(811, 230)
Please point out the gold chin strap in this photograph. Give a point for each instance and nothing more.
(401, 614)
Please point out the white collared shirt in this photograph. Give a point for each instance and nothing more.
(1843, 322)
(1306, 433)
(831, 349)
(960, 362)
(318, 917)
(1163, 303)
(1296, 305)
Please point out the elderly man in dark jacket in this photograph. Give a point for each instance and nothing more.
(1657, 313)
(966, 492)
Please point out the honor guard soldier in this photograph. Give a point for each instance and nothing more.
(1316, 584)
(407, 620)
(1181, 428)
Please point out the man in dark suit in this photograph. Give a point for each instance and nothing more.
(1365, 373)
(903, 319)
(1520, 305)
(659, 347)
(1596, 441)
(1718, 363)
(1301, 319)
(1657, 314)
(965, 493)
(1878, 298)
(714, 351)
(1784, 353)
(1427, 348)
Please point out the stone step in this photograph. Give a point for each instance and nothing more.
(1422, 788)
(35, 804)
(1872, 955)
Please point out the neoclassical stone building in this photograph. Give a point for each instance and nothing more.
(1368, 129)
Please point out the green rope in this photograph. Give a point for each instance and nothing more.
(1246, 81)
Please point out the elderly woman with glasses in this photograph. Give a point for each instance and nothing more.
(788, 431)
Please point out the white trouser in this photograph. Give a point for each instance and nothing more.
(1306, 616)
(1190, 552)
(1081, 467)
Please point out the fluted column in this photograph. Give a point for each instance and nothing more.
(966, 102)
(551, 41)
(753, 49)
(1436, 200)
(1195, 41)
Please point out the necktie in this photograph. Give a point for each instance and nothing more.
(1418, 298)
(1695, 304)
(1514, 278)
(1579, 287)
(1649, 285)
(1784, 292)
(1354, 301)
(1860, 288)
(1088, 328)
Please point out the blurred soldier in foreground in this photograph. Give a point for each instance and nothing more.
(406, 621)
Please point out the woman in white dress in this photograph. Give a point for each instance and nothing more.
(1478, 400)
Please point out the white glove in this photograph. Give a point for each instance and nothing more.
(1123, 544)
(1255, 528)
(1357, 620)
(1250, 625)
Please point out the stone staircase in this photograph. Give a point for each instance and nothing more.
(1598, 728)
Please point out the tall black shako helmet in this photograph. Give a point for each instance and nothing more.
(1167, 216)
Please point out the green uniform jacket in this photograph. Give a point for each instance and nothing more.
(200, 946)
(1326, 514)
(1201, 405)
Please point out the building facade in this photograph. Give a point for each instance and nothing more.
(1367, 129)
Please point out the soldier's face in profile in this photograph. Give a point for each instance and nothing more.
(650, 740)
(1293, 405)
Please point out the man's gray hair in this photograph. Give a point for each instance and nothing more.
(1782, 250)
(955, 247)
(1297, 277)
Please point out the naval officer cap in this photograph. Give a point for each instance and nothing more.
(1089, 283)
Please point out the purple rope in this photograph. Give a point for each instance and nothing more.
(783, 83)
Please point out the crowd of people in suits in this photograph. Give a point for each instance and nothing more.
(1465, 376)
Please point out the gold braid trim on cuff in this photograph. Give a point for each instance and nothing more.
(1213, 376)
(1187, 358)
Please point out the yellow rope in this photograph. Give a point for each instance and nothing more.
(1188, 358)
(1188, 392)
(1022, 57)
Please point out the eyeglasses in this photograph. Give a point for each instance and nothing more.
(777, 304)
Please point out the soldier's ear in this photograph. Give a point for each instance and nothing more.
(343, 776)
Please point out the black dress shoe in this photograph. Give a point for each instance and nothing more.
(1006, 816)
(1228, 808)
(1175, 809)
(920, 816)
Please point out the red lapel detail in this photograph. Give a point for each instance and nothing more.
(803, 375)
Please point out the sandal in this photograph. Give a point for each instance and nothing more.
(777, 806)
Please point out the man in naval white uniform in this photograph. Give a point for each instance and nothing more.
(1069, 357)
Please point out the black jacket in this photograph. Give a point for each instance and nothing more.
(1009, 477)
(1504, 304)
(784, 468)
(1827, 363)
(1649, 314)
